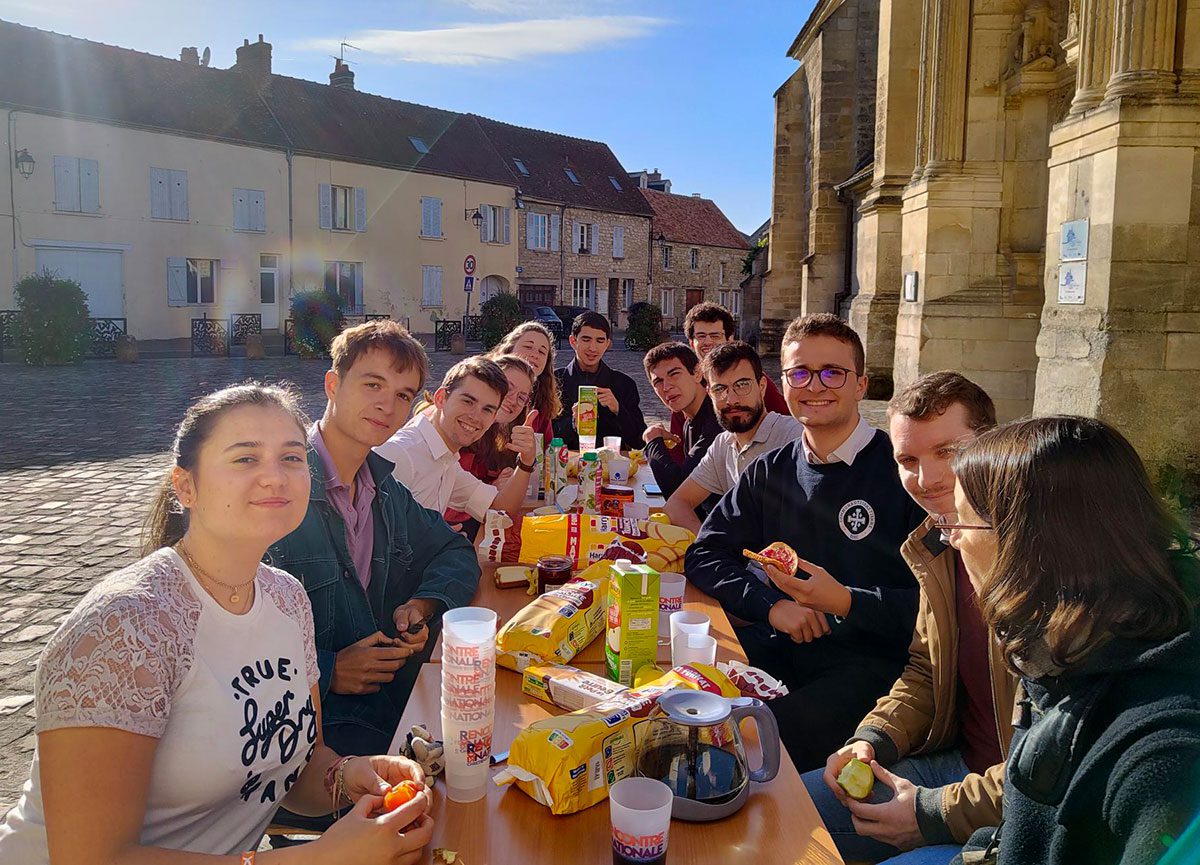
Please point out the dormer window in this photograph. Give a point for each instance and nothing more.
(418, 145)
(613, 181)
(520, 166)
(571, 177)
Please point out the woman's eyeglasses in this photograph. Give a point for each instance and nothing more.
(831, 377)
(947, 523)
(741, 387)
(520, 400)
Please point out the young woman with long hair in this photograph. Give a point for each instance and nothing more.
(178, 705)
(1090, 586)
(533, 342)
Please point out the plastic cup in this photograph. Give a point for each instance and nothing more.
(688, 622)
(670, 598)
(613, 442)
(693, 649)
(640, 811)
(469, 626)
(468, 744)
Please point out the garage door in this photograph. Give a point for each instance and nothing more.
(98, 272)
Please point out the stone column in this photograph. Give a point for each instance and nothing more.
(924, 86)
(1144, 52)
(1095, 54)
(948, 107)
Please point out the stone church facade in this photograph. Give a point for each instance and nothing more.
(933, 156)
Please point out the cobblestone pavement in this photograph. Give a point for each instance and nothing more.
(81, 451)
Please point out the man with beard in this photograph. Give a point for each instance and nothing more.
(737, 388)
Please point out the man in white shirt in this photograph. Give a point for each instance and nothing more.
(737, 388)
(426, 450)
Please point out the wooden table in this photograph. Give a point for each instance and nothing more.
(777, 826)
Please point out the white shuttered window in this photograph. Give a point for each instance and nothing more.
(76, 184)
(537, 231)
(431, 285)
(249, 210)
(619, 241)
(168, 194)
(431, 217)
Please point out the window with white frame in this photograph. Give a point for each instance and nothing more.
(431, 217)
(268, 278)
(537, 230)
(76, 185)
(721, 273)
(666, 300)
(695, 263)
(168, 194)
(201, 281)
(582, 292)
(495, 226)
(345, 278)
(666, 258)
(627, 293)
(431, 285)
(731, 299)
(619, 241)
(343, 203)
(583, 239)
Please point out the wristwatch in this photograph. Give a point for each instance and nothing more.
(527, 468)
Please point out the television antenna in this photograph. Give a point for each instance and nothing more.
(341, 55)
(206, 56)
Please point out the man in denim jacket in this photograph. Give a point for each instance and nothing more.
(379, 569)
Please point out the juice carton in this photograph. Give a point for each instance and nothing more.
(631, 640)
(555, 469)
(589, 484)
(587, 417)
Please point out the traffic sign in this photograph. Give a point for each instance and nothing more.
(469, 265)
(468, 284)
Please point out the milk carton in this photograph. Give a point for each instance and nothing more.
(631, 640)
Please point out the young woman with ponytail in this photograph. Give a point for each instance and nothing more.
(178, 705)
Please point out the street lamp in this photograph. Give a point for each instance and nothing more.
(660, 241)
(475, 216)
(25, 163)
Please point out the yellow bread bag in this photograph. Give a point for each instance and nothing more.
(568, 762)
(586, 538)
(557, 625)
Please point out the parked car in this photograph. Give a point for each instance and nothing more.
(568, 314)
(543, 314)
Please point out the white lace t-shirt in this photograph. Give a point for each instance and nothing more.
(228, 697)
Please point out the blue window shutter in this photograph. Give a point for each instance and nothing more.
(555, 231)
(160, 195)
(360, 209)
(529, 230)
(437, 217)
(89, 186)
(595, 248)
(179, 195)
(483, 226)
(177, 282)
(66, 183)
(358, 286)
(507, 222)
(258, 210)
(325, 205)
(619, 242)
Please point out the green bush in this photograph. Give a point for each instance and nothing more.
(645, 327)
(501, 313)
(317, 317)
(52, 325)
(1179, 482)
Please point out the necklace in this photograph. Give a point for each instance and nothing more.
(234, 597)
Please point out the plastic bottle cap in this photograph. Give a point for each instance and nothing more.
(556, 442)
(590, 456)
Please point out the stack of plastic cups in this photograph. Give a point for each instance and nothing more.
(468, 699)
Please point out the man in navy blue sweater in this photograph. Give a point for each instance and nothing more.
(833, 496)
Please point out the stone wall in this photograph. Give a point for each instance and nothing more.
(707, 277)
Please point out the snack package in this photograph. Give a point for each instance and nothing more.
(587, 538)
(567, 687)
(631, 640)
(557, 625)
(568, 762)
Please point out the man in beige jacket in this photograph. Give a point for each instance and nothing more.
(937, 742)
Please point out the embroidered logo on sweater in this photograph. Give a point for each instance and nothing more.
(856, 519)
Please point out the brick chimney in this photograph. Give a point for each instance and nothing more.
(342, 77)
(190, 56)
(254, 59)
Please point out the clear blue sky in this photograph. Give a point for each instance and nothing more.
(684, 86)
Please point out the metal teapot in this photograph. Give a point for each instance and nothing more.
(693, 744)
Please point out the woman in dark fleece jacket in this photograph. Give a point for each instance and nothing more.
(1091, 588)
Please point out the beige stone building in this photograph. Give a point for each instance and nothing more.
(698, 255)
(583, 230)
(1010, 188)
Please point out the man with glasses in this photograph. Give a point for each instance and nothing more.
(834, 497)
(673, 371)
(737, 389)
(940, 737)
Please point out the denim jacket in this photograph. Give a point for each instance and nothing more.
(416, 555)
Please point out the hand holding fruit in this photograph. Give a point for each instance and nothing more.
(818, 589)
(893, 822)
(857, 750)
